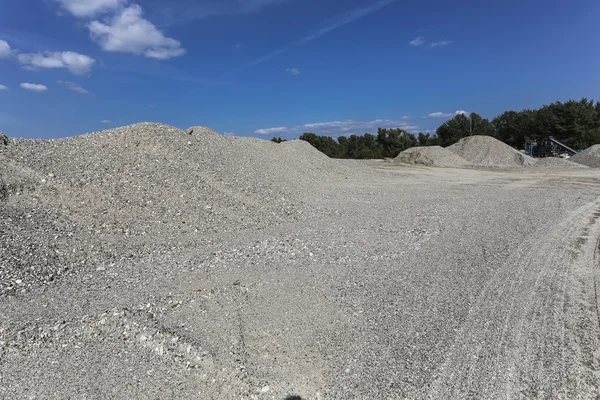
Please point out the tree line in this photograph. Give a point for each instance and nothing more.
(575, 123)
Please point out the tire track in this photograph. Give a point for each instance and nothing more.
(514, 341)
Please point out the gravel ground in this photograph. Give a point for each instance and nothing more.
(557, 163)
(589, 156)
(368, 280)
(487, 151)
(431, 156)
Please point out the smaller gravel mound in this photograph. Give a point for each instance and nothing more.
(557, 163)
(589, 157)
(487, 151)
(431, 156)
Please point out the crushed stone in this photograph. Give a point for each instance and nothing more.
(431, 156)
(589, 157)
(557, 163)
(487, 151)
(121, 193)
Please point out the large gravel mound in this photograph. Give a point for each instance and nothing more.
(589, 157)
(487, 151)
(142, 189)
(557, 163)
(431, 156)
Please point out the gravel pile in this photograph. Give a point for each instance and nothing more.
(487, 151)
(431, 156)
(589, 157)
(557, 163)
(325, 279)
(116, 194)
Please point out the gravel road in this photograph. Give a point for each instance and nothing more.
(374, 281)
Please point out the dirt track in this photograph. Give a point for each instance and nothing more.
(403, 282)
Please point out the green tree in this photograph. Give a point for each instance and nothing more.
(462, 126)
(325, 144)
(576, 123)
(392, 141)
(423, 139)
(515, 128)
(343, 149)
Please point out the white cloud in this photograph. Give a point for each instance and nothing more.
(78, 64)
(128, 32)
(74, 87)
(106, 121)
(339, 128)
(2, 87)
(228, 133)
(89, 8)
(461, 112)
(441, 43)
(5, 50)
(417, 42)
(270, 131)
(406, 117)
(34, 87)
(293, 71)
(439, 115)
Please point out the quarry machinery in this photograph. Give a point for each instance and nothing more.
(549, 147)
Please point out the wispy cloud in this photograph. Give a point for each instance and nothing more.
(182, 11)
(34, 87)
(90, 8)
(339, 128)
(78, 64)
(344, 19)
(293, 71)
(270, 131)
(417, 42)
(106, 121)
(2, 87)
(74, 87)
(445, 115)
(7, 119)
(441, 43)
(439, 115)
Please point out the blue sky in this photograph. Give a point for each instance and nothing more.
(282, 67)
